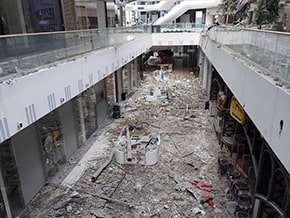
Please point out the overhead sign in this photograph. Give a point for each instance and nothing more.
(237, 111)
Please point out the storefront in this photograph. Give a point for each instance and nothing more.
(51, 138)
(10, 195)
(91, 109)
(258, 182)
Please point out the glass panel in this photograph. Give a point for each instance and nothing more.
(268, 50)
(89, 111)
(11, 180)
(21, 53)
(179, 27)
(51, 137)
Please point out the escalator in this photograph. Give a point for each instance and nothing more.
(183, 6)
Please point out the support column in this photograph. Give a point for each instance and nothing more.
(111, 89)
(209, 79)
(68, 129)
(110, 92)
(121, 16)
(135, 72)
(130, 78)
(140, 69)
(205, 73)
(119, 85)
(102, 14)
(200, 63)
(81, 127)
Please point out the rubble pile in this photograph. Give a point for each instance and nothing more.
(184, 182)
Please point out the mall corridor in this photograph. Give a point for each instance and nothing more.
(170, 188)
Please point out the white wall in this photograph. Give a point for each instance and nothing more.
(28, 98)
(28, 157)
(175, 39)
(210, 13)
(161, 6)
(265, 103)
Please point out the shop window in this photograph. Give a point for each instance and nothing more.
(278, 189)
(10, 179)
(52, 142)
(47, 15)
(89, 111)
(265, 175)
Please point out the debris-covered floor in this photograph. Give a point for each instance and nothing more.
(185, 175)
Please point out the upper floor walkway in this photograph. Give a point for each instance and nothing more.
(25, 53)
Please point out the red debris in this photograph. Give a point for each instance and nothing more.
(206, 195)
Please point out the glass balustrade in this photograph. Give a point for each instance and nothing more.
(25, 52)
(267, 50)
(178, 28)
(21, 54)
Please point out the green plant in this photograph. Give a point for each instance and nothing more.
(269, 12)
(227, 8)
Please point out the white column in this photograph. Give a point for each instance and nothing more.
(135, 72)
(130, 78)
(205, 73)
(119, 81)
(102, 14)
(208, 85)
(200, 63)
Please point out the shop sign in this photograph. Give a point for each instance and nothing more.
(237, 111)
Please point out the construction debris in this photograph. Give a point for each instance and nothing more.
(137, 147)
(188, 149)
(102, 168)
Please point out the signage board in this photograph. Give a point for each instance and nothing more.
(237, 111)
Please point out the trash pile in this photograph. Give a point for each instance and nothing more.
(183, 183)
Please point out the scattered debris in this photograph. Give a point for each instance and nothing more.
(113, 200)
(197, 210)
(102, 168)
(217, 210)
(188, 149)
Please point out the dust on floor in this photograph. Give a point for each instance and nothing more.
(188, 154)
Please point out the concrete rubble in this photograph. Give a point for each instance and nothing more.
(188, 152)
